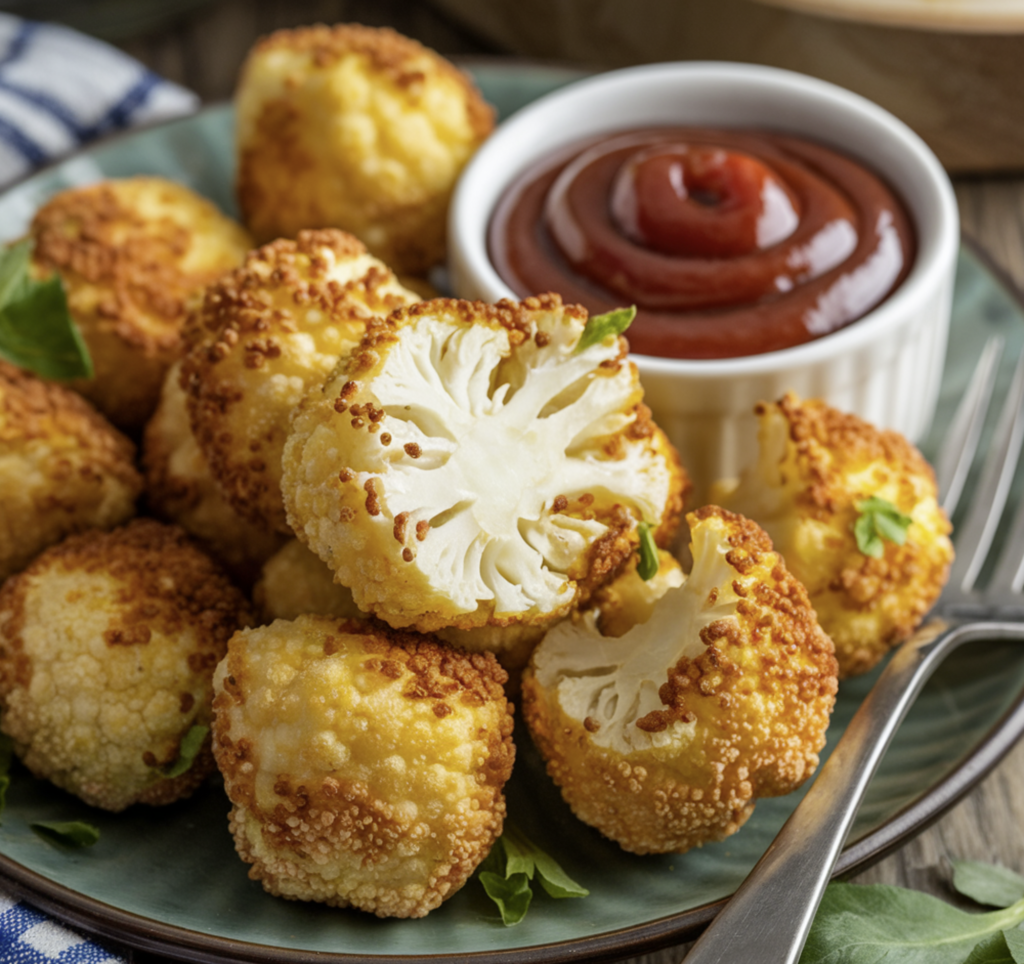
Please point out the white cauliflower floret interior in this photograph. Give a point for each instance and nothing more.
(661, 738)
(467, 464)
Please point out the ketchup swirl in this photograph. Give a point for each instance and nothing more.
(728, 242)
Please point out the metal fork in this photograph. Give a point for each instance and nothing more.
(768, 918)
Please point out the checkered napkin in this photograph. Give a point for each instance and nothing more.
(60, 89)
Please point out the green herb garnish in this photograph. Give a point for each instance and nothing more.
(600, 327)
(191, 744)
(509, 868)
(867, 923)
(879, 519)
(68, 833)
(36, 331)
(647, 567)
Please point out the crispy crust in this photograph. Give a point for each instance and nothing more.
(262, 337)
(357, 128)
(743, 713)
(67, 468)
(132, 254)
(347, 823)
(108, 643)
(180, 489)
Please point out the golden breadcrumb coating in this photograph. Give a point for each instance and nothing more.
(264, 335)
(181, 489)
(466, 466)
(108, 643)
(132, 255)
(815, 466)
(295, 582)
(365, 766)
(356, 128)
(63, 468)
(663, 737)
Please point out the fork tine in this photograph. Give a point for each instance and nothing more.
(976, 534)
(961, 443)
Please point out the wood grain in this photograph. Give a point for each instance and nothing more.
(204, 49)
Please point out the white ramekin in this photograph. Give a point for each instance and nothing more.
(886, 367)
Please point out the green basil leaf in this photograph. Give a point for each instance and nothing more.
(991, 950)
(868, 923)
(600, 327)
(191, 744)
(1014, 937)
(987, 883)
(519, 853)
(69, 833)
(879, 520)
(555, 881)
(647, 567)
(511, 894)
(36, 330)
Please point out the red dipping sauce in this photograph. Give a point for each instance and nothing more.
(729, 243)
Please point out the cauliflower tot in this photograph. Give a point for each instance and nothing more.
(355, 128)
(108, 643)
(663, 737)
(132, 255)
(365, 766)
(815, 466)
(466, 466)
(63, 468)
(181, 489)
(263, 336)
(295, 582)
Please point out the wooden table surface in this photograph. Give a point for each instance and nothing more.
(203, 48)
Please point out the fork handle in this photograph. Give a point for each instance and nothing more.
(768, 918)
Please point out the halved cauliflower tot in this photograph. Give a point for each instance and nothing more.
(663, 737)
(468, 466)
(365, 766)
(265, 335)
(818, 471)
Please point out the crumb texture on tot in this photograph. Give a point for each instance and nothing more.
(132, 254)
(63, 468)
(663, 737)
(466, 466)
(108, 643)
(264, 335)
(181, 489)
(815, 466)
(295, 582)
(357, 128)
(365, 766)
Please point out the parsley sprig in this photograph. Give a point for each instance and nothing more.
(879, 520)
(599, 327)
(36, 330)
(511, 866)
(188, 750)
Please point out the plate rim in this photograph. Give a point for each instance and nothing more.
(113, 925)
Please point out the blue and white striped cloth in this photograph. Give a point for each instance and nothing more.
(60, 89)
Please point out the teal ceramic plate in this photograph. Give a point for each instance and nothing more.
(169, 880)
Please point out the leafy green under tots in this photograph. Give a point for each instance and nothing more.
(879, 519)
(869, 923)
(509, 868)
(36, 330)
(68, 833)
(191, 744)
(599, 327)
